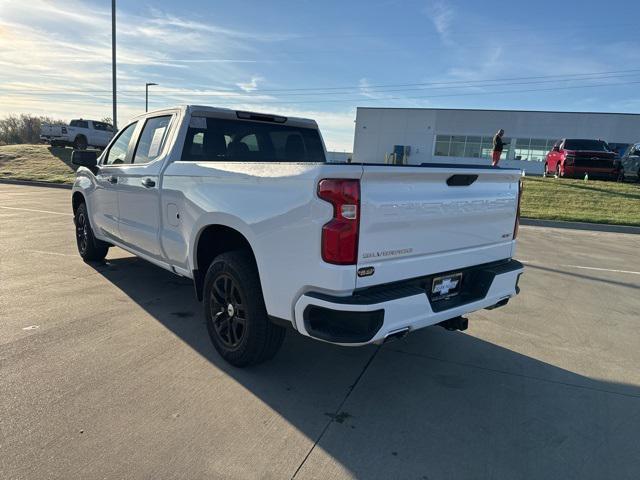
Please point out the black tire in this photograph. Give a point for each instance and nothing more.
(89, 247)
(234, 310)
(80, 143)
(546, 170)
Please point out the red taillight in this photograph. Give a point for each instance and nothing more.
(340, 235)
(517, 225)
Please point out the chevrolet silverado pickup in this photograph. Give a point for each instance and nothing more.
(273, 236)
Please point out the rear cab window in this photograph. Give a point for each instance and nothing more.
(586, 145)
(79, 123)
(230, 140)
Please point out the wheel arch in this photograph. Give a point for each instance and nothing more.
(211, 241)
(76, 199)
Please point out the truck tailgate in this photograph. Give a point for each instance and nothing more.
(418, 221)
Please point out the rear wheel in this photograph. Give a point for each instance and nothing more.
(237, 319)
(89, 247)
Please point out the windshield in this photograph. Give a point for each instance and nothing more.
(590, 145)
(215, 139)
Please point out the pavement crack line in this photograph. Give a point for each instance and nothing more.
(333, 417)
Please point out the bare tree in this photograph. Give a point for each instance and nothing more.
(23, 128)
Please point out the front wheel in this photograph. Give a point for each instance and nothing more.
(234, 309)
(89, 247)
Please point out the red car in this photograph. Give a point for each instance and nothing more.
(572, 157)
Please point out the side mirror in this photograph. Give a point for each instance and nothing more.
(85, 158)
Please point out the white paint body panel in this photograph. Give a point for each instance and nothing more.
(413, 224)
(276, 208)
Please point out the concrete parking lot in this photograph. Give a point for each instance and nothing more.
(106, 371)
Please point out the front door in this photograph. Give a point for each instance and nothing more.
(104, 208)
(139, 187)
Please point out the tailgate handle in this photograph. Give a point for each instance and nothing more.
(461, 180)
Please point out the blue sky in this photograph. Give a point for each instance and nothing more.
(320, 59)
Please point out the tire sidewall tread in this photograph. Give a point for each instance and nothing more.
(96, 249)
(262, 338)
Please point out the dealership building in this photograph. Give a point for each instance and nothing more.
(431, 135)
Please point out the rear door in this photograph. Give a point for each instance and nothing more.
(417, 221)
(139, 187)
(101, 133)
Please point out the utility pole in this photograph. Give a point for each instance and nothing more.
(146, 95)
(113, 64)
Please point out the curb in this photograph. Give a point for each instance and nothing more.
(31, 183)
(595, 227)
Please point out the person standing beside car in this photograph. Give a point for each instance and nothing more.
(498, 147)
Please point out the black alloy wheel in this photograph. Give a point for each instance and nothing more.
(82, 232)
(89, 247)
(236, 317)
(228, 313)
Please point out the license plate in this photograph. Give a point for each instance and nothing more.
(446, 286)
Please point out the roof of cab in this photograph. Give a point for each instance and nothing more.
(212, 111)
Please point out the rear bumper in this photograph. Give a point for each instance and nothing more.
(372, 314)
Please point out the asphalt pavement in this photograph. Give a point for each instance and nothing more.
(106, 371)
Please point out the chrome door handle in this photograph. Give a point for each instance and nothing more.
(148, 183)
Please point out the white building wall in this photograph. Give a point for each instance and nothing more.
(339, 157)
(379, 129)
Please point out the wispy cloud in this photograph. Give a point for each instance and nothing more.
(58, 59)
(251, 85)
(442, 16)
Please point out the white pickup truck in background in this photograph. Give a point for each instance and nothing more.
(245, 205)
(79, 134)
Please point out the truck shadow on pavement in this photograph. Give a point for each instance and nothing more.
(64, 155)
(434, 405)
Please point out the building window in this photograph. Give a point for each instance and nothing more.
(532, 149)
(469, 146)
(466, 146)
(443, 142)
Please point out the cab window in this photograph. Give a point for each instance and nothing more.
(152, 139)
(117, 153)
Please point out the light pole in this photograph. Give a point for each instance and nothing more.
(146, 95)
(113, 63)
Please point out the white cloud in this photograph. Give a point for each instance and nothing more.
(58, 60)
(250, 86)
(441, 15)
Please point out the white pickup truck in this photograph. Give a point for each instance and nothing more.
(273, 236)
(79, 134)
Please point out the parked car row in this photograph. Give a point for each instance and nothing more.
(572, 157)
(79, 134)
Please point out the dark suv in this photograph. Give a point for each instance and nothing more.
(572, 157)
